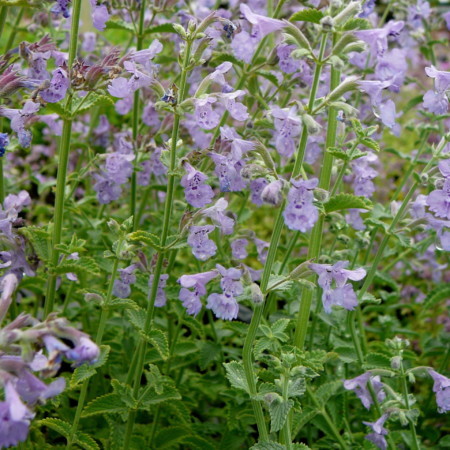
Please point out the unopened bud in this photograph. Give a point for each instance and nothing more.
(350, 11)
(257, 295)
(180, 30)
(192, 26)
(396, 362)
(301, 40)
(311, 125)
(206, 22)
(300, 270)
(349, 84)
(327, 23)
(113, 225)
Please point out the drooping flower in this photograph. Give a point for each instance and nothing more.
(300, 213)
(85, 350)
(286, 62)
(14, 418)
(359, 386)
(238, 248)
(193, 287)
(205, 116)
(273, 193)
(100, 15)
(228, 170)
(261, 25)
(374, 89)
(256, 187)
(31, 389)
(239, 146)
(202, 247)
(197, 193)
(121, 286)
(441, 388)
(439, 200)
(217, 214)
(378, 432)
(161, 298)
(288, 126)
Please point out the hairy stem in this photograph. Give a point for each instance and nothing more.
(63, 153)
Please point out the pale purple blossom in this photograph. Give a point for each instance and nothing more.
(160, 299)
(238, 248)
(202, 247)
(288, 126)
(359, 386)
(198, 194)
(256, 187)
(378, 432)
(193, 287)
(217, 213)
(441, 388)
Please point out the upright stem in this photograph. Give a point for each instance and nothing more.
(3, 14)
(276, 234)
(164, 233)
(135, 119)
(98, 341)
(412, 427)
(316, 234)
(63, 152)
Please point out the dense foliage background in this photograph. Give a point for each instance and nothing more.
(224, 225)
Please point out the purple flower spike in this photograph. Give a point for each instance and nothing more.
(31, 389)
(439, 200)
(14, 418)
(228, 170)
(58, 87)
(238, 146)
(373, 89)
(197, 193)
(193, 287)
(441, 388)
(377, 437)
(300, 213)
(237, 110)
(202, 247)
(359, 386)
(288, 126)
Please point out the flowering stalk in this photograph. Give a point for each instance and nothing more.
(98, 341)
(135, 119)
(315, 242)
(63, 152)
(137, 370)
(275, 239)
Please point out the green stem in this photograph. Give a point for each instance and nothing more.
(135, 119)
(3, 14)
(344, 166)
(63, 152)
(98, 341)
(316, 234)
(14, 30)
(287, 426)
(412, 427)
(164, 233)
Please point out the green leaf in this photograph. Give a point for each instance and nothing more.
(209, 352)
(269, 76)
(268, 446)
(137, 318)
(147, 238)
(163, 28)
(280, 325)
(105, 404)
(346, 354)
(222, 57)
(412, 103)
(345, 156)
(170, 437)
(81, 374)
(307, 15)
(59, 109)
(346, 201)
(327, 390)
(300, 420)
(377, 361)
(357, 23)
(261, 345)
(122, 303)
(275, 279)
(84, 265)
(441, 292)
(119, 25)
(148, 397)
(65, 429)
(278, 410)
(371, 143)
(82, 104)
(159, 340)
(40, 240)
(296, 387)
(236, 375)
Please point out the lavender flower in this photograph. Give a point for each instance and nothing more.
(238, 248)
(122, 287)
(58, 87)
(436, 101)
(228, 170)
(191, 298)
(205, 116)
(273, 193)
(300, 213)
(439, 200)
(287, 126)
(85, 350)
(160, 299)
(4, 142)
(256, 187)
(197, 193)
(261, 25)
(202, 247)
(377, 436)
(441, 388)
(286, 62)
(100, 15)
(217, 214)
(14, 418)
(359, 386)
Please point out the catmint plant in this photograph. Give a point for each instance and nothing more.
(224, 225)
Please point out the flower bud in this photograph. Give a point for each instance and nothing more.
(349, 84)
(300, 270)
(327, 23)
(350, 11)
(396, 362)
(311, 125)
(273, 193)
(180, 30)
(300, 39)
(257, 295)
(113, 225)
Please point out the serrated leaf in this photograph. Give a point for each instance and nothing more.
(159, 340)
(171, 436)
(307, 15)
(81, 374)
(269, 76)
(223, 57)
(59, 109)
(339, 153)
(268, 446)
(84, 265)
(147, 238)
(82, 104)
(65, 429)
(346, 354)
(149, 397)
(440, 293)
(137, 318)
(236, 375)
(296, 387)
(261, 345)
(357, 23)
(377, 361)
(122, 303)
(275, 279)
(346, 201)
(39, 239)
(278, 410)
(300, 420)
(105, 404)
(280, 325)
(327, 390)
(371, 143)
